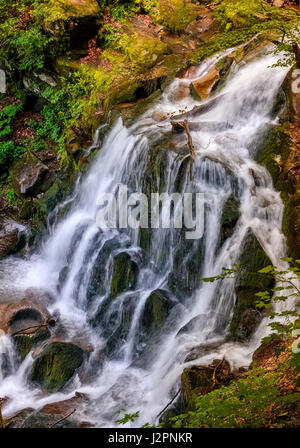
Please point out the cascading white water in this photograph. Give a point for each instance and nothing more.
(132, 375)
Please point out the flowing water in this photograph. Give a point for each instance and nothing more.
(126, 367)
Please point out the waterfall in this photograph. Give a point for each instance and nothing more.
(127, 367)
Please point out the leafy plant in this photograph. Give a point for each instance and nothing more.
(287, 290)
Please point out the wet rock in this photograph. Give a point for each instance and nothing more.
(187, 264)
(181, 92)
(97, 284)
(157, 116)
(73, 19)
(51, 414)
(198, 110)
(194, 324)
(230, 215)
(124, 276)
(157, 308)
(30, 310)
(202, 87)
(117, 326)
(12, 237)
(201, 28)
(205, 126)
(25, 341)
(56, 365)
(249, 320)
(248, 283)
(200, 380)
(30, 176)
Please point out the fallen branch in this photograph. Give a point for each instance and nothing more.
(185, 126)
(30, 328)
(170, 402)
(215, 371)
(64, 418)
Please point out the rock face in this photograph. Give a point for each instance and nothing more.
(56, 365)
(200, 380)
(30, 310)
(25, 341)
(157, 308)
(124, 275)
(12, 237)
(248, 283)
(201, 28)
(230, 215)
(202, 87)
(30, 176)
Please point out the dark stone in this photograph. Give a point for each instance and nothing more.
(30, 176)
(56, 365)
(125, 272)
(25, 342)
(230, 215)
(252, 259)
(157, 309)
(12, 237)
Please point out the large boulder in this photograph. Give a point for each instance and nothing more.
(252, 259)
(201, 28)
(51, 415)
(30, 176)
(124, 276)
(12, 237)
(230, 215)
(157, 308)
(200, 380)
(30, 310)
(71, 18)
(202, 87)
(56, 365)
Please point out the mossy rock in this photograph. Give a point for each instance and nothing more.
(252, 259)
(61, 188)
(56, 365)
(30, 176)
(144, 52)
(157, 308)
(24, 343)
(124, 277)
(175, 15)
(67, 19)
(194, 379)
(230, 215)
(188, 260)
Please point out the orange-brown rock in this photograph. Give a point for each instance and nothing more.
(202, 87)
(31, 310)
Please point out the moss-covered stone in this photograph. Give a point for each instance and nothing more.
(124, 276)
(230, 215)
(56, 365)
(175, 15)
(252, 259)
(30, 176)
(25, 342)
(157, 308)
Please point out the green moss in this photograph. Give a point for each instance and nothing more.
(254, 401)
(124, 275)
(175, 15)
(25, 343)
(253, 258)
(56, 365)
(156, 311)
(143, 52)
